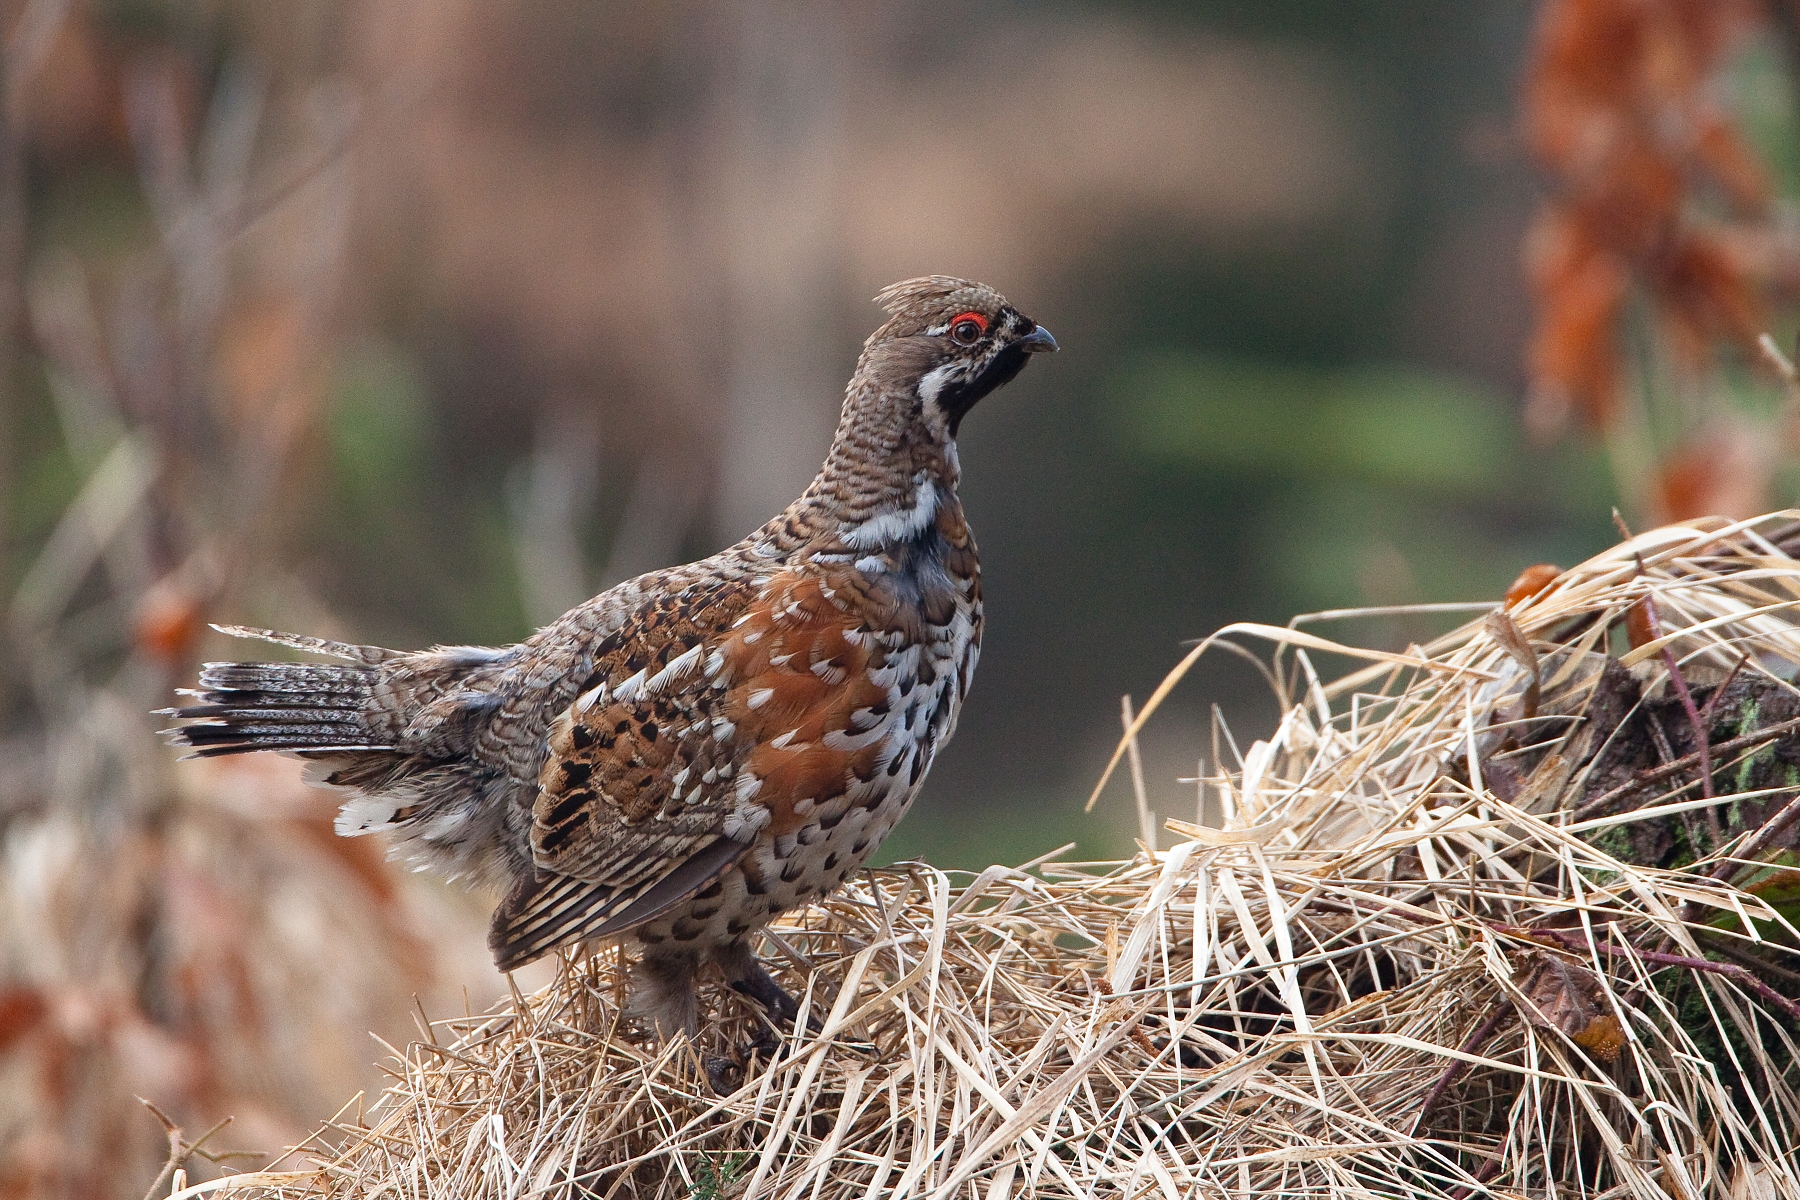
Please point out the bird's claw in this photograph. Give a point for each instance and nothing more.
(727, 1073)
(722, 1074)
(765, 1043)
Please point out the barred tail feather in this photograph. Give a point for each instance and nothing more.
(280, 706)
(369, 656)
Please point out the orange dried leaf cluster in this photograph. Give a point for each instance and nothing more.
(1619, 109)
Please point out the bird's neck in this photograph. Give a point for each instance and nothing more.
(884, 481)
(868, 501)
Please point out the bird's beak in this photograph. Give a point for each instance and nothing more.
(1037, 340)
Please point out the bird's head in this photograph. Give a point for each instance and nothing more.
(946, 344)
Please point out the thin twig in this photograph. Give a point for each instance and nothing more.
(1488, 1170)
(177, 1149)
(180, 1150)
(1759, 841)
(1503, 1010)
(1712, 701)
(1686, 762)
(1713, 825)
(1577, 945)
(1146, 818)
(1701, 734)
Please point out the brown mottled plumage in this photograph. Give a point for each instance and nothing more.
(697, 750)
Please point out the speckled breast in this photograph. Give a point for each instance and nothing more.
(914, 626)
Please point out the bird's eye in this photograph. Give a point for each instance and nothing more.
(967, 329)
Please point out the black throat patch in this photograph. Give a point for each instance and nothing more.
(957, 399)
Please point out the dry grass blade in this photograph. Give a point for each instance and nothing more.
(1402, 968)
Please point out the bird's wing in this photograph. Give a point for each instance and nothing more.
(713, 715)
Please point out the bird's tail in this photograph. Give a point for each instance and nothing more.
(246, 706)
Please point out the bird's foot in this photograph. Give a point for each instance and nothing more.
(723, 1074)
(766, 1045)
(728, 1072)
(757, 984)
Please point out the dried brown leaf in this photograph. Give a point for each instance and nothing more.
(1531, 581)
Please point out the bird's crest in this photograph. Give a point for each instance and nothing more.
(917, 304)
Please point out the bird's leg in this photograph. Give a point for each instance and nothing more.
(761, 987)
(664, 996)
(664, 999)
(746, 977)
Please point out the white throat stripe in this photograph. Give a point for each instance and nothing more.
(896, 525)
(933, 381)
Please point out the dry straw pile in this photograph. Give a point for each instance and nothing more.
(1404, 965)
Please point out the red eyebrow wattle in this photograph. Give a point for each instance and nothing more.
(976, 317)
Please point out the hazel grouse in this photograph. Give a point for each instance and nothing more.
(695, 751)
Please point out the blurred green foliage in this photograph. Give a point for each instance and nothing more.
(42, 484)
(1012, 826)
(1763, 98)
(394, 524)
(380, 424)
(1362, 469)
(1388, 426)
